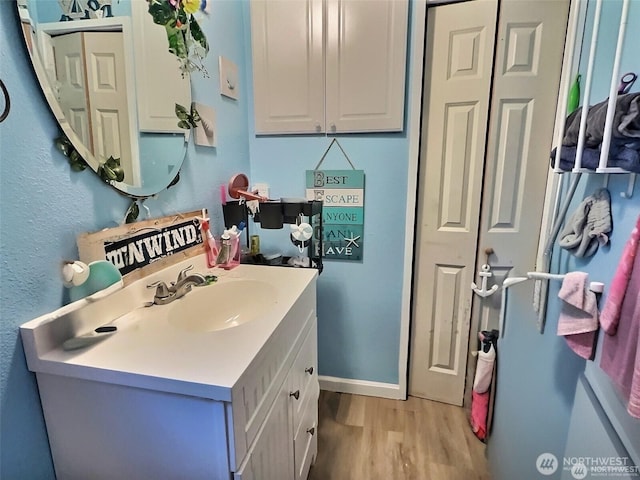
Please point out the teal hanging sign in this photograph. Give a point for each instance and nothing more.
(342, 194)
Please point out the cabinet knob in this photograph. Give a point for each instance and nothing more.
(333, 127)
(295, 394)
(311, 430)
(309, 370)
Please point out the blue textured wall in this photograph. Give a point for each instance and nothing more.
(44, 206)
(537, 374)
(359, 304)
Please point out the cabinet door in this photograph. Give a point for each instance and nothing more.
(288, 70)
(365, 65)
(271, 455)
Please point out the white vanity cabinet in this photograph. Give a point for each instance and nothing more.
(328, 66)
(156, 402)
(286, 443)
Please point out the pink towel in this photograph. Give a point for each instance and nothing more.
(578, 320)
(621, 346)
(611, 311)
(479, 412)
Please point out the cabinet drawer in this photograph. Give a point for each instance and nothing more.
(305, 442)
(304, 373)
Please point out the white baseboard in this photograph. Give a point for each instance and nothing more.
(361, 387)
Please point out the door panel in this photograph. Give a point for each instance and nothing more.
(525, 92)
(459, 60)
(510, 165)
(108, 100)
(446, 294)
(69, 61)
(458, 174)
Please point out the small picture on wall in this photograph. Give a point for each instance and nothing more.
(205, 134)
(228, 78)
(84, 9)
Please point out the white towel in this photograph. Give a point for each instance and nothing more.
(484, 370)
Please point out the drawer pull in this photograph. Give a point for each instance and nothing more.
(309, 370)
(295, 394)
(311, 430)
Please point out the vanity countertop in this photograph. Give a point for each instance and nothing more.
(148, 351)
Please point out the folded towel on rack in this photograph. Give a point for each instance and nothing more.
(626, 121)
(589, 225)
(578, 321)
(630, 122)
(620, 155)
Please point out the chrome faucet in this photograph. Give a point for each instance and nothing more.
(184, 285)
(178, 289)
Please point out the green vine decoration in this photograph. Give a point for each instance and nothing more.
(64, 145)
(132, 212)
(110, 170)
(187, 120)
(185, 37)
(175, 180)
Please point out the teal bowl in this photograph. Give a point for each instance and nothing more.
(102, 275)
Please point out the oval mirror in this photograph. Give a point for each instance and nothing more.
(107, 74)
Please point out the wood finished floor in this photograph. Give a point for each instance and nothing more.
(368, 438)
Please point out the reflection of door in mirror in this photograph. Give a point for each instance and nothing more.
(153, 61)
(71, 91)
(90, 71)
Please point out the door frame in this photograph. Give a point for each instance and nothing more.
(414, 120)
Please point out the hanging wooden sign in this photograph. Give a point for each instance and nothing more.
(342, 194)
(150, 246)
(144, 247)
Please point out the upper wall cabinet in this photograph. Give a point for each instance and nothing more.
(328, 66)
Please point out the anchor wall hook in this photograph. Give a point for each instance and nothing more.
(485, 273)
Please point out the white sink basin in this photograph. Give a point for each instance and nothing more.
(222, 305)
(221, 326)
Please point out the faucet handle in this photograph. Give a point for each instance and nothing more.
(183, 273)
(162, 291)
